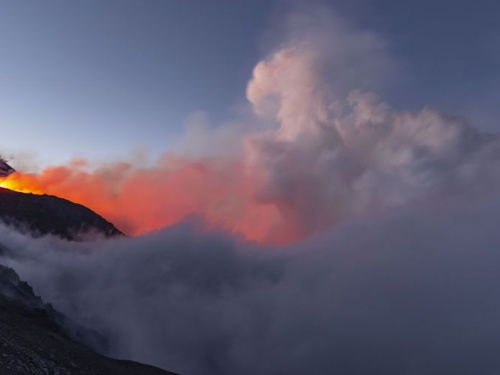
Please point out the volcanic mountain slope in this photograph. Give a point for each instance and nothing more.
(34, 338)
(46, 214)
(33, 343)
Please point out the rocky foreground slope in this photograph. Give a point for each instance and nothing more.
(33, 342)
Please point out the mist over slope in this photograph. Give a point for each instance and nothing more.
(36, 339)
(412, 292)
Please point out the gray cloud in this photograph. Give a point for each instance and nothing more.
(414, 291)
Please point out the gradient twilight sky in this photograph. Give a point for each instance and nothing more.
(104, 78)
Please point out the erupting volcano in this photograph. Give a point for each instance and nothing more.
(311, 215)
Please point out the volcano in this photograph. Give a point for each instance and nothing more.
(49, 215)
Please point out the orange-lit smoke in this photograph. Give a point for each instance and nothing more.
(139, 200)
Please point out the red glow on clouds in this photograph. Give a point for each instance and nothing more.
(139, 200)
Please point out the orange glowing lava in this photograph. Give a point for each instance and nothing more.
(20, 183)
(140, 200)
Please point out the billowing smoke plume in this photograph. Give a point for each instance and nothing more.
(339, 153)
(402, 278)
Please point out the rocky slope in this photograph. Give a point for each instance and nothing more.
(46, 214)
(32, 342)
(35, 339)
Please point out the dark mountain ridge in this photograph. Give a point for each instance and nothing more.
(47, 214)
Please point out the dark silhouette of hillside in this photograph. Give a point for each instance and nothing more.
(46, 214)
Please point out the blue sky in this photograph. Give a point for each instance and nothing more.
(102, 78)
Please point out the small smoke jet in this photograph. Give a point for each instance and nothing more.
(5, 169)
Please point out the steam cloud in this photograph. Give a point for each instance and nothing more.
(402, 279)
